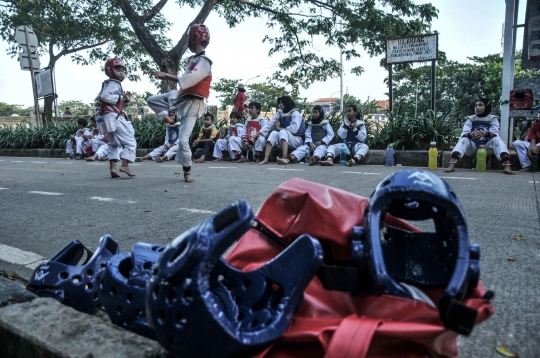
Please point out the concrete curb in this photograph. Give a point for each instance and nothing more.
(32, 326)
(407, 158)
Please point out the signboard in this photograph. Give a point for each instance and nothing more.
(412, 49)
(26, 37)
(44, 83)
(24, 61)
(533, 30)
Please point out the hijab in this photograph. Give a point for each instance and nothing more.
(487, 104)
(321, 115)
(288, 103)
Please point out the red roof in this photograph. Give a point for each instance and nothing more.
(327, 99)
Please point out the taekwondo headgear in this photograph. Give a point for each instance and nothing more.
(72, 285)
(198, 34)
(110, 70)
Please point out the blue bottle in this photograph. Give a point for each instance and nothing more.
(342, 155)
(390, 155)
(306, 158)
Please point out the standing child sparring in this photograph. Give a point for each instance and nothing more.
(189, 101)
(353, 133)
(110, 104)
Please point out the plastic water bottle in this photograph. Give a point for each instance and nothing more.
(390, 155)
(481, 155)
(432, 155)
(306, 158)
(342, 155)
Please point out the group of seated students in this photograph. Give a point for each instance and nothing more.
(88, 143)
(286, 130)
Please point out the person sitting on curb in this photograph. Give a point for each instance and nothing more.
(251, 139)
(319, 134)
(76, 140)
(207, 138)
(290, 130)
(235, 130)
(528, 145)
(170, 147)
(353, 133)
(481, 129)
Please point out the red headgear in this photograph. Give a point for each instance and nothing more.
(198, 34)
(110, 69)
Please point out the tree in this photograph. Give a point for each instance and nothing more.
(267, 95)
(7, 110)
(68, 27)
(227, 89)
(458, 85)
(139, 100)
(78, 108)
(340, 23)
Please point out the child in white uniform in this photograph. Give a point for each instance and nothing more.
(111, 121)
(290, 126)
(76, 140)
(235, 131)
(189, 101)
(251, 139)
(353, 133)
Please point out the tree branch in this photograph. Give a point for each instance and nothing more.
(181, 46)
(67, 52)
(146, 38)
(154, 11)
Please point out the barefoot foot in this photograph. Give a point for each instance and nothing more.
(508, 170)
(450, 168)
(283, 160)
(265, 161)
(188, 178)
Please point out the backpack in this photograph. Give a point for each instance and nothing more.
(521, 99)
(332, 323)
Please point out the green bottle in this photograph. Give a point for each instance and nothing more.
(481, 155)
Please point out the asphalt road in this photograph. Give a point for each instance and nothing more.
(45, 203)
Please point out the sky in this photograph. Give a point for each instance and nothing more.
(466, 28)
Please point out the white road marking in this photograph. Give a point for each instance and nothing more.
(459, 178)
(17, 256)
(101, 199)
(17, 161)
(198, 211)
(373, 173)
(297, 170)
(44, 193)
(39, 162)
(90, 163)
(536, 182)
(222, 167)
(352, 172)
(4, 188)
(2, 160)
(64, 163)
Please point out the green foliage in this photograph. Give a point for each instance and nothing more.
(227, 89)
(77, 108)
(51, 136)
(139, 100)
(267, 95)
(7, 110)
(458, 85)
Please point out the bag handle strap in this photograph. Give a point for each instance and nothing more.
(353, 337)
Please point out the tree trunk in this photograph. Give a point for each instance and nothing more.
(47, 110)
(170, 64)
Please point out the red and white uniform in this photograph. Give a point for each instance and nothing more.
(78, 145)
(194, 88)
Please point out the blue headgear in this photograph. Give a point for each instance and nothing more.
(443, 258)
(72, 285)
(200, 306)
(123, 287)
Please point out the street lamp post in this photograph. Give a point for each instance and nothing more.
(245, 84)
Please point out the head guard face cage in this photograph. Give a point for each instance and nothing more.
(443, 258)
(198, 34)
(201, 306)
(123, 287)
(110, 70)
(72, 285)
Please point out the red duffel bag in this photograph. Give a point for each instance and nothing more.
(338, 323)
(521, 99)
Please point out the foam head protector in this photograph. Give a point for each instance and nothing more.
(63, 279)
(200, 306)
(443, 258)
(123, 287)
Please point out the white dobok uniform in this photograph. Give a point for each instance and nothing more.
(351, 139)
(314, 132)
(224, 144)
